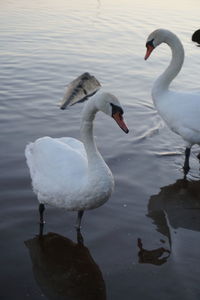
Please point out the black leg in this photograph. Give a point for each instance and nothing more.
(79, 218)
(186, 166)
(41, 211)
(80, 240)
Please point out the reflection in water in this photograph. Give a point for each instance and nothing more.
(176, 206)
(154, 256)
(64, 269)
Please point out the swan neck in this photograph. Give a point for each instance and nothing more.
(87, 135)
(162, 83)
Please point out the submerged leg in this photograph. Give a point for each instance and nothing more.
(41, 211)
(186, 166)
(80, 240)
(79, 218)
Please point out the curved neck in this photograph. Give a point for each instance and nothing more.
(162, 83)
(87, 136)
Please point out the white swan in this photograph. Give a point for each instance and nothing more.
(180, 110)
(71, 174)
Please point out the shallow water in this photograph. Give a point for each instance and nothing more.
(44, 45)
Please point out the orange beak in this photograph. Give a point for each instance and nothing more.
(119, 120)
(149, 50)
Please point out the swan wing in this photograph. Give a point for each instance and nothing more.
(181, 111)
(57, 166)
(74, 144)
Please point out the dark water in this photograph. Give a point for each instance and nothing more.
(144, 242)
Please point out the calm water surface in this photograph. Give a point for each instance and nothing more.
(43, 46)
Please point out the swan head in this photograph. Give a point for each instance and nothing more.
(156, 38)
(110, 105)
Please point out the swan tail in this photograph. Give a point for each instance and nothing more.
(29, 157)
(80, 89)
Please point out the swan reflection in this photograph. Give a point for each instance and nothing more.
(176, 206)
(157, 256)
(64, 269)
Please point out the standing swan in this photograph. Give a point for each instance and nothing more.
(180, 111)
(68, 173)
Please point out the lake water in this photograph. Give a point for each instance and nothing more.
(144, 242)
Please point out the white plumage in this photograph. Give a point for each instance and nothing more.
(57, 167)
(180, 110)
(71, 174)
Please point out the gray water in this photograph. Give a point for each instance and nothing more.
(43, 46)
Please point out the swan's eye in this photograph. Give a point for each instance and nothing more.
(116, 108)
(150, 43)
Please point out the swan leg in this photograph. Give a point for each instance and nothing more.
(80, 240)
(186, 166)
(41, 211)
(79, 218)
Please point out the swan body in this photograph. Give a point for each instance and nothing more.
(180, 110)
(59, 169)
(71, 174)
(181, 113)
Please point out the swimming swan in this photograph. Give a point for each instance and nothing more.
(71, 174)
(180, 110)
